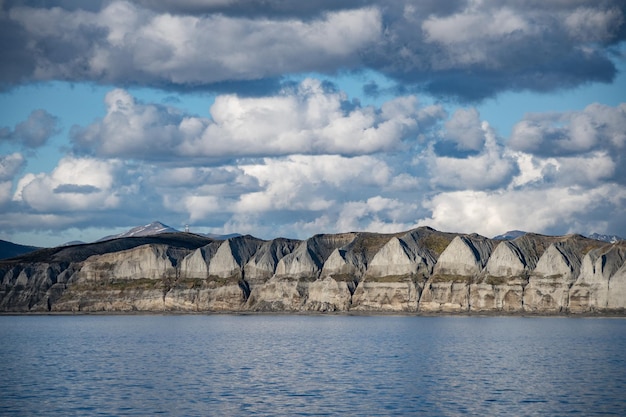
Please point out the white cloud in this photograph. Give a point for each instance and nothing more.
(471, 25)
(309, 119)
(5, 191)
(10, 165)
(465, 49)
(75, 184)
(126, 42)
(33, 132)
(589, 170)
(301, 182)
(492, 168)
(536, 210)
(465, 129)
(597, 127)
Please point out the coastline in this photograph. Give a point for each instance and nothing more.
(373, 313)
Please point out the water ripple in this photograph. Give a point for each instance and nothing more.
(311, 366)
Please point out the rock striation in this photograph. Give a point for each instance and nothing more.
(421, 271)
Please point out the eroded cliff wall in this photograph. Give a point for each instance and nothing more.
(420, 271)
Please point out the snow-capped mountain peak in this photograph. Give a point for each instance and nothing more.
(153, 228)
(605, 238)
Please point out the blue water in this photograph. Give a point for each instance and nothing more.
(266, 365)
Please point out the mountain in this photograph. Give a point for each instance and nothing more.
(156, 228)
(605, 238)
(10, 250)
(420, 271)
(153, 228)
(510, 235)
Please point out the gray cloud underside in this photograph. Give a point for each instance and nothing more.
(34, 131)
(463, 49)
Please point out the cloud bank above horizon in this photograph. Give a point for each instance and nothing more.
(282, 148)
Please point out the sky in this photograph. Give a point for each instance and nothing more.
(285, 118)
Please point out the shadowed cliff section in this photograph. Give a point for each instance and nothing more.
(420, 271)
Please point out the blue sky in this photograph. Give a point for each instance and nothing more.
(286, 119)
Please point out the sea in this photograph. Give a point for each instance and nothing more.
(311, 365)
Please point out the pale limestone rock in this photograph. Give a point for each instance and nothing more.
(549, 283)
(386, 296)
(340, 265)
(232, 255)
(501, 285)
(223, 263)
(590, 292)
(506, 261)
(351, 271)
(263, 264)
(300, 263)
(617, 290)
(229, 297)
(196, 264)
(278, 294)
(308, 258)
(142, 262)
(553, 263)
(182, 299)
(447, 297)
(458, 266)
(328, 295)
(464, 256)
(394, 259)
(502, 297)
(133, 299)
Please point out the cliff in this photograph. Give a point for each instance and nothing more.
(419, 271)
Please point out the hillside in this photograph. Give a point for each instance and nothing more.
(10, 250)
(419, 271)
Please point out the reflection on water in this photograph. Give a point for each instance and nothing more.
(311, 365)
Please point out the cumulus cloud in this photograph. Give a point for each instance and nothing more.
(126, 43)
(597, 127)
(33, 132)
(589, 144)
(308, 119)
(463, 132)
(548, 210)
(465, 49)
(557, 172)
(76, 184)
(492, 168)
(10, 165)
(476, 49)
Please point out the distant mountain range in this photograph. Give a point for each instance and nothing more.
(514, 234)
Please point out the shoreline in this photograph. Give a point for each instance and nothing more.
(373, 313)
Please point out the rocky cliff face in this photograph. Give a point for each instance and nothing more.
(422, 271)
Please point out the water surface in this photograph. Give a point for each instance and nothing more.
(281, 365)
